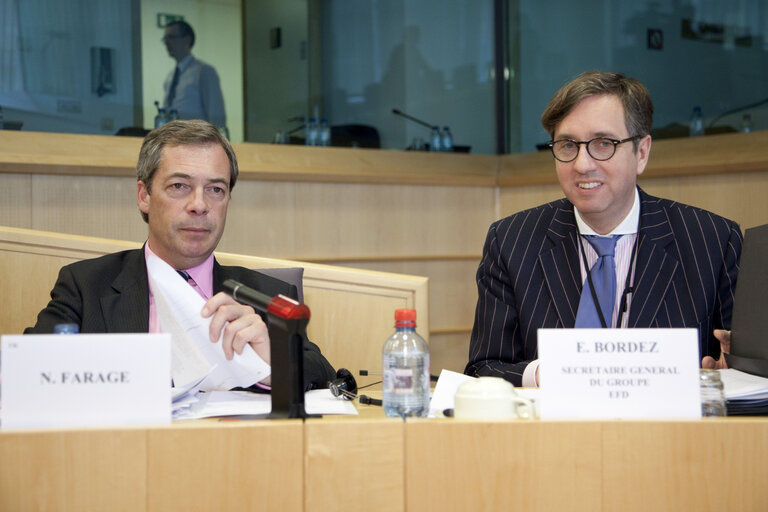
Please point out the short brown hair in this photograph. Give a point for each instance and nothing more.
(638, 106)
(180, 133)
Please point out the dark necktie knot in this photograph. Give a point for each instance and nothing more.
(185, 275)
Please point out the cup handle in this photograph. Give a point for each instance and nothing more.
(523, 407)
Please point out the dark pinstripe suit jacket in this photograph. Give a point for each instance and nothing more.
(529, 277)
(111, 294)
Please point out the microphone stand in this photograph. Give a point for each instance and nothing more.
(411, 118)
(287, 322)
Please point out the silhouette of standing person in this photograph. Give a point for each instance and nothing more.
(192, 88)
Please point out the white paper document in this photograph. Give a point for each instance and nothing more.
(445, 391)
(193, 354)
(743, 386)
(242, 403)
(619, 373)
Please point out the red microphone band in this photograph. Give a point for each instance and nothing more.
(287, 308)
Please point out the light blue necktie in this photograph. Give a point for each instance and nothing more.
(603, 274)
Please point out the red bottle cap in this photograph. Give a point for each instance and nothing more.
(405, 318)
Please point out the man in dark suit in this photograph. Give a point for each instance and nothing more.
(675, 265)
(185, 172)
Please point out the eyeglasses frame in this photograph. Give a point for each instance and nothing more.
(615, 142)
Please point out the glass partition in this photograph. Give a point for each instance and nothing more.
(381, 73)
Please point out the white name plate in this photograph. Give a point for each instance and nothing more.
(85, 380)
(619, 373)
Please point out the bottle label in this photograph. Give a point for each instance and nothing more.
(403, 380)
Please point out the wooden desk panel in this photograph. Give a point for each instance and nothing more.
(719, 464)
(355, 464)
(506, 465)
(73, 470)
(373, 463)
(239, 466)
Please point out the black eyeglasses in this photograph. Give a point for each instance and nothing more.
(599, 148)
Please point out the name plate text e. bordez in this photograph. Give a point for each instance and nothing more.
(619, 373)
(85, 380)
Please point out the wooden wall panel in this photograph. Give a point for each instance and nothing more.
(742, 197)
(15, 200)
(334, 222)
(90, 206)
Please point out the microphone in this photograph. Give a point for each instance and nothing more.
(279, 305)
(287, 326)
(411, 118)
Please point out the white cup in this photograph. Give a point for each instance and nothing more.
(490, 398)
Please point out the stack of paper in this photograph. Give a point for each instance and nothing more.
(745, 394)
(243, 404)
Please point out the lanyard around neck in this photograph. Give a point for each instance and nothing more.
(627, 288)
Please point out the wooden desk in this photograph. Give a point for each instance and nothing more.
(719, 464)
(373, 463)
(203, 465)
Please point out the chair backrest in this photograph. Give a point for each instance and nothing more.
(355, 135)
(291, 275)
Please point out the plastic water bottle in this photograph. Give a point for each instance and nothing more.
(447, 140)
(66, 329)
(405, 369)
(712, 396)
(325, 133)
(161, 118)
(311, 134)
(746, 123)
(696, 126)
(173, 115)
(435, 139)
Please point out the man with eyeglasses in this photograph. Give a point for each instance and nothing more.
(608, 254)
(192, 88)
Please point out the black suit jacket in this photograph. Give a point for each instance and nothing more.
(529, 277)
(111, 294)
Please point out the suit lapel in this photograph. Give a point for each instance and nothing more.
(656, 265)
(560, 265)
(126, 307)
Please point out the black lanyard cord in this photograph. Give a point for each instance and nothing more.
(627, 288)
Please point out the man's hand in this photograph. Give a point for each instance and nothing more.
(245, 326)
(724, 337)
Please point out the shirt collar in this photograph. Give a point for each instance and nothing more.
(628, 226)
(185, 62)
(202, 274)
